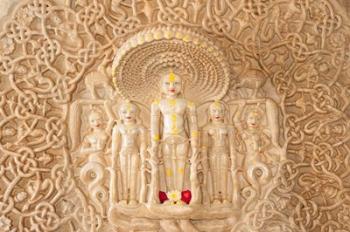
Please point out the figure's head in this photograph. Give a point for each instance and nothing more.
(95, 119)
(128, 112)
(253, 118)
(217, 111)
(171, 84)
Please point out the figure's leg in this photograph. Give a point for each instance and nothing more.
(182, 154)
(124, 179)
(135, 166)
(223, 180)
(214, 174)
(169, 175)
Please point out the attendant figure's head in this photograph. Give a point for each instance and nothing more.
(171, 84)
(128, 112)
(95, 119)
(253, 118)
(217, 112)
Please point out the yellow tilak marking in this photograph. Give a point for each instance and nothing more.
(128, 107)
(172, 76)
(217, 105)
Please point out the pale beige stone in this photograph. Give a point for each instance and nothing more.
(174, 116)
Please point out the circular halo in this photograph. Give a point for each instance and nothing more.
(142, 58)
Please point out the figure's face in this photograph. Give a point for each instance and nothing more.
(253, 120)
(95, 120)
(171, 84)
(128, 113)
(217, 112)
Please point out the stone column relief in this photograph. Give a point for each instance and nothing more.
(175, 115)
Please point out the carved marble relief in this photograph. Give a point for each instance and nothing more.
(176, 115)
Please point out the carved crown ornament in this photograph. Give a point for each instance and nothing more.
(174, 115)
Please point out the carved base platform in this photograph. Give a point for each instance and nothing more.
(155, 216)
(176, 212)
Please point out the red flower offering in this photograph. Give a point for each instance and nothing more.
(186, 196)
(162, 197)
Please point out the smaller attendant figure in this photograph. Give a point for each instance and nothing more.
(258, 144)
(218, 149)
(128, 152)
(92, 159)
(94, 142)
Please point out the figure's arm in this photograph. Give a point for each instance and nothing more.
(143, 144)
(116, 139)
(272, 120)
(204, 155)
(84, 145)
(155, 122)
(236, 199)
(143, 179)
(192, 114)
(238, 115)
(233, 155)
(79, 156)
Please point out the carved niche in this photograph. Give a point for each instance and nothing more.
(174, 116)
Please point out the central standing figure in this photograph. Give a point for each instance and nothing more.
(170, 118)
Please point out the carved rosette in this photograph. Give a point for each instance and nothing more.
(140, 60)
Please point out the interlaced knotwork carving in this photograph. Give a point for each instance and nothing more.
(48, 47)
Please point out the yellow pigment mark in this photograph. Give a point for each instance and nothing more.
(172, 76)
(217, 105)
(194, 134)
(156, 102)
(128, 107)
(141, 40)
(158, 35)
(156, 138)
(168, 172)
(173, 118)
(190, 104)
(186, 38)
(179, 35)
(181, 170)
(168, 34)
(172, 102)
(149, 37)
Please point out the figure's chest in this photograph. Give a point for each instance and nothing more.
(97, 139)
(219, 132)
(129, 131)
(252, 140)
(177, 106)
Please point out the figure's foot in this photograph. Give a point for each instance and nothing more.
(216, 202)
(226, 202)
(132, 202)
(123, 202)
